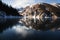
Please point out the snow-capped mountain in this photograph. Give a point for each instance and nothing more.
(56, 5)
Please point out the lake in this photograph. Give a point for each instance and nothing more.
(28, 29)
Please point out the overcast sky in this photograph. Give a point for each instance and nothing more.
(24, 3)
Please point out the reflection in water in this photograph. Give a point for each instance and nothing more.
(6, 23)
(44, 23)
(28, 29)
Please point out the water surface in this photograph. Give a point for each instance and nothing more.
(21, 29)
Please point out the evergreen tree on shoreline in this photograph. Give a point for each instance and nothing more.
(8, 9)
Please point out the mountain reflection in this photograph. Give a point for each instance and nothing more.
(29, 29)
(38, 24)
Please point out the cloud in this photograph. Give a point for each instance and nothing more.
(24, 31)
(22, 3)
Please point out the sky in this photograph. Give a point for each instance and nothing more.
(24, 3)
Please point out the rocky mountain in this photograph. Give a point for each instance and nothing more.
(56, 5)
(41, 8)
(45, 13)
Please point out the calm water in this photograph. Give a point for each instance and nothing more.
(25, 29)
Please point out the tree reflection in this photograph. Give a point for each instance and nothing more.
(7, 23)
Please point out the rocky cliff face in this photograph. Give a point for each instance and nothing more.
(41, 10)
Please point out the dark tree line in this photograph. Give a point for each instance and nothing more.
(8, 9)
